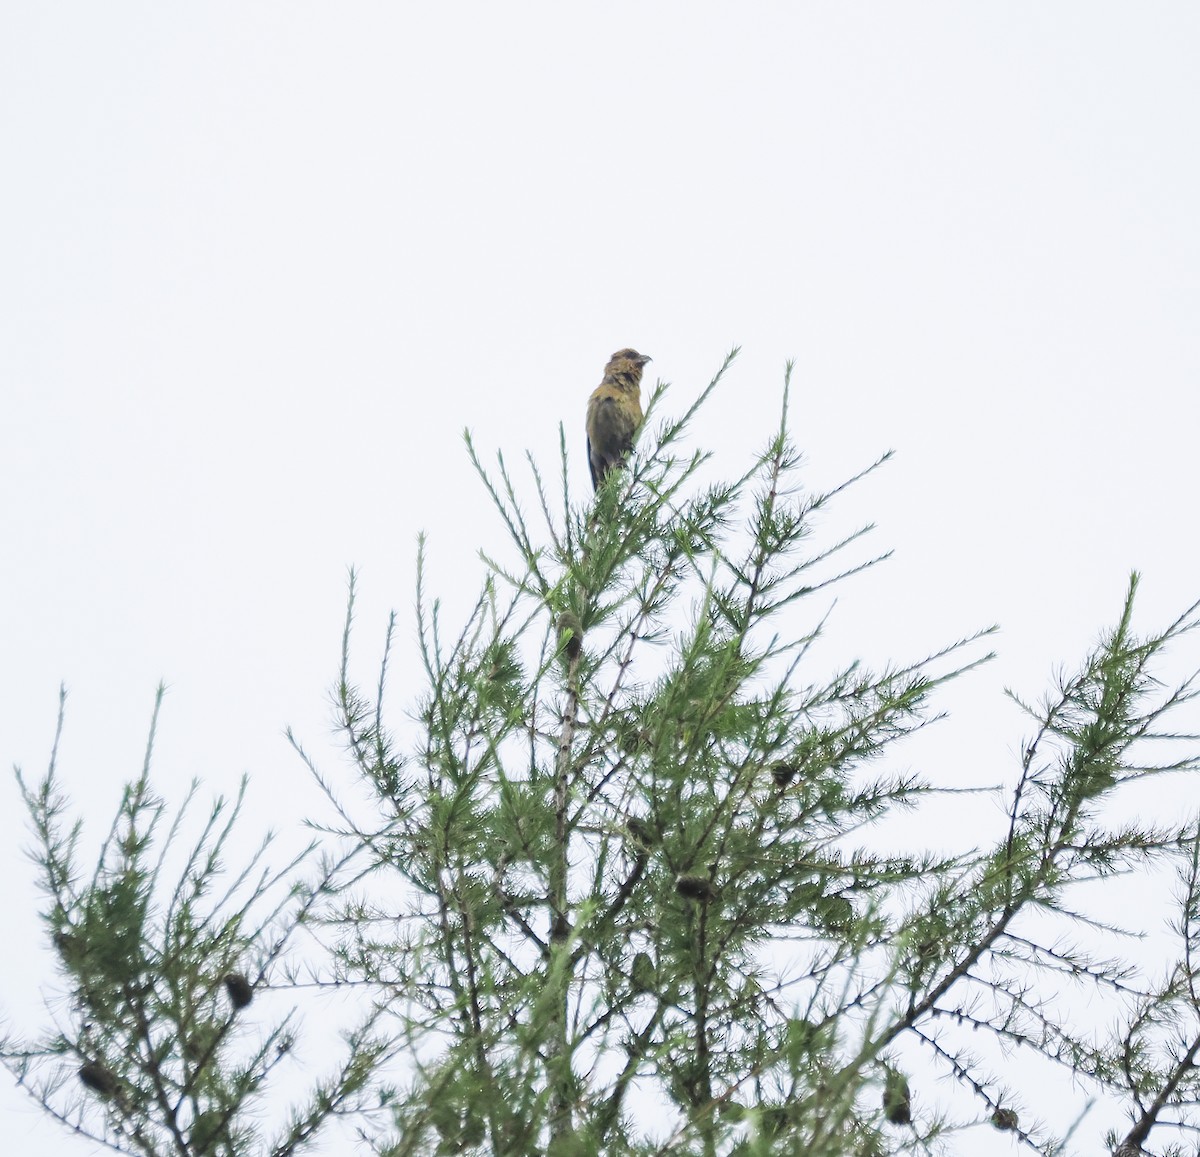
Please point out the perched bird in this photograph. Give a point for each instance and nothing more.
(614, 413)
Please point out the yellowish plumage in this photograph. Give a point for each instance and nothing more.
(614, 413)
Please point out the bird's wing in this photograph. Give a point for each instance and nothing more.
(610, 427)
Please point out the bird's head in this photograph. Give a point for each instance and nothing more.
(626, 365)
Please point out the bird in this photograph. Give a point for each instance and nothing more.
(614, 413)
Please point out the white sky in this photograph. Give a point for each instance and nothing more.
(261, 263)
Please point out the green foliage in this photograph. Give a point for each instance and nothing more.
(617, 888)
(169, 1054)
(635, 833)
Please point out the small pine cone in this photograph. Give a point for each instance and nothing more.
(633, 740)
(783, 773)
(642, 974)
(897, 1101)
(1006, 1120)
(694, 887)
(201, 1042)
(570, 634)
(240, 991)
(641, 831)
(98, 1078)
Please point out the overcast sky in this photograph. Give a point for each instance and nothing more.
(261, 263)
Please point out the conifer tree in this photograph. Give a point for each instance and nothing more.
(616, 889)
(164, 1049)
